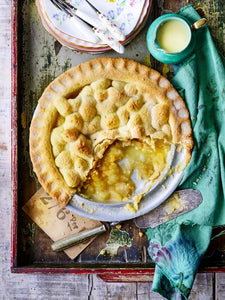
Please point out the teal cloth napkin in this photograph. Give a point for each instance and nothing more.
(178, 246)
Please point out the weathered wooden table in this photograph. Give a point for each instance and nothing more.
(33, 249)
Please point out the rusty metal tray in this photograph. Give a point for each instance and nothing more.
(37, 58)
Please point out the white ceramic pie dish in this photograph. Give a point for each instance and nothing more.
(156, 195)
(161, 191)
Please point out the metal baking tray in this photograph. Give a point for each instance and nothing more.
(37, 58)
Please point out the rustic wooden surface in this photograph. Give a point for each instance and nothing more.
(61, 286)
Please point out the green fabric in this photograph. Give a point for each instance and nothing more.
(201, 82)
(177, 250)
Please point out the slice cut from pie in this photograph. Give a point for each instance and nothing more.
(126, 169)
(93, 107)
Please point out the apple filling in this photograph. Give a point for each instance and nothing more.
(116, 176)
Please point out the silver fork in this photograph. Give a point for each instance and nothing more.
(104, 35)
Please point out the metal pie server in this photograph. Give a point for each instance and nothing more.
(178, 203)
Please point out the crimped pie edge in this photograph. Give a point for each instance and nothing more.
(77, 77)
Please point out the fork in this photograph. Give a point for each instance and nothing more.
(104, 35)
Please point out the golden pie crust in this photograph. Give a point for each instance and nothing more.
(90, 106)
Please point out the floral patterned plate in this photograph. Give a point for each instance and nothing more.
(78, 41)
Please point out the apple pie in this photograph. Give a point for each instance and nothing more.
(97, 113)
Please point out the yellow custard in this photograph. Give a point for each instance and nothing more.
(172, 36)
(111, 181)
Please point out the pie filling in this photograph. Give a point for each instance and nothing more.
(124, 166)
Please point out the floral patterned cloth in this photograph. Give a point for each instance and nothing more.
(178, 246)
(177, 254)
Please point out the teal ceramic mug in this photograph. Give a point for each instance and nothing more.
(171, 38)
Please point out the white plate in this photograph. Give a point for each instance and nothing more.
(125, 14)
(77, 41)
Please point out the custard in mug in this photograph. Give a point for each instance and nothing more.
(172, 36)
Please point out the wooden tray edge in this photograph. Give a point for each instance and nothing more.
(14, 133)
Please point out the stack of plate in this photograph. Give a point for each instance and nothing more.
(129, 16)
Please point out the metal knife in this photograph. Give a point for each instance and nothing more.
(179, 203)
